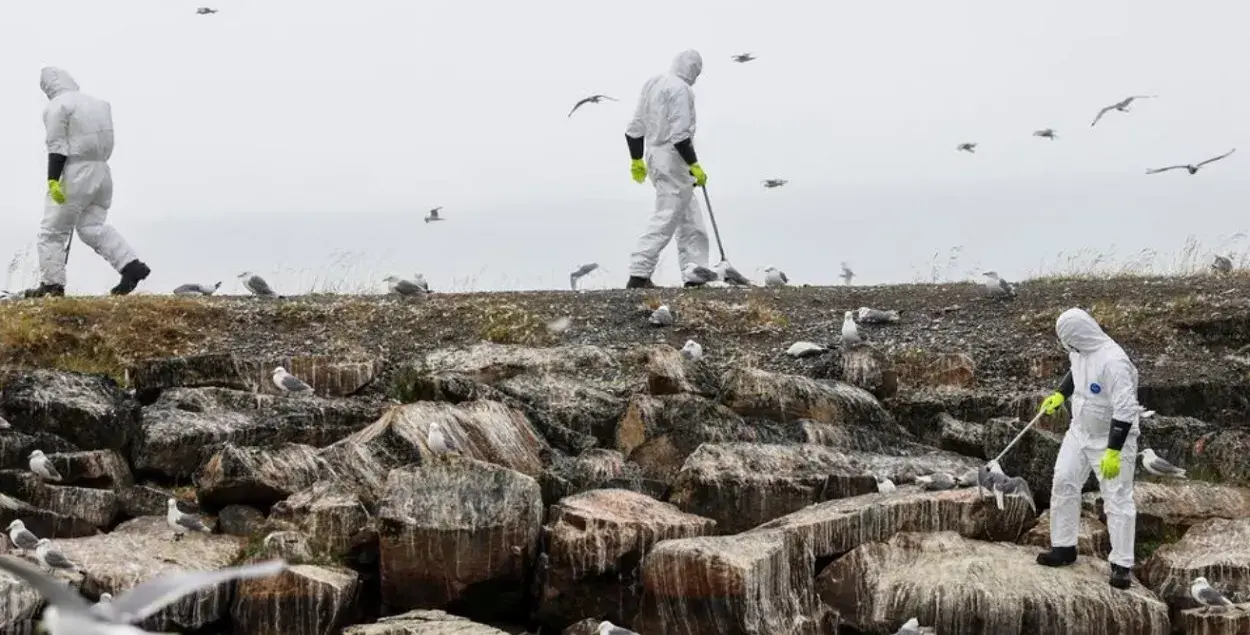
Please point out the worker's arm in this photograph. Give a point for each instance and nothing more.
(636, 131)
(1066, 387)
(681, 122)
(56, 127)
(1122, 378)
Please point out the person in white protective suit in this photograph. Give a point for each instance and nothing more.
(664, 122)
(79, 131)
(1102, 386)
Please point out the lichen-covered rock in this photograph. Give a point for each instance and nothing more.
(89, 411)
(457, 531)
(867, 367)
(92, 468)
(288, 545)
(488, 362)
(856, 438)
(1092, 537)
(658, 434)
(239, 520)
(1224, 453)
(595, 544)
(424, 623)
(305, 599)
(835, 527)
(143, 500)
(742, 485)
(595, 469)
(15, 447)
(1216, 549)
(556, 402)
(141, 549)
(756, 393)
(329, 377)
(97, 507)
(20, 606)
(669, 373)
(259, 476)
(328, 513)
(918, 367)
(962, 437)
(1166, 510)
(971, 587)
(42, 522)
(186, 426)
(757, 584)
(453, 388)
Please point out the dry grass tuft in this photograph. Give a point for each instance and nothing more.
(1130, 322)
(507, 323)
(102, 335)
(754, 316)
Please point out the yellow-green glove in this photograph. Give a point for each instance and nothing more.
(55, 191)
(638, 170)
(1110, 464)
(1052, 403)
(700, 177)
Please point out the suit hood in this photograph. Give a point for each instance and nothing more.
(56, 81)
(1078, 331)
(688, 65)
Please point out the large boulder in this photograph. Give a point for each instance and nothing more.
(742, 485)
(956, 585)
(962, 437)
(595, 544)
(756, 393)
(489, 362)
(595, 469)
(330, 515)
(141, 549)
(15, 447)
(658, 433)
(89, 411)
(42, 522)
(1216, 549)
(305, 599)
(20, 606)
(1092, 537)
(259, 476)
(423, 623)
(670, 373)
(1166, 510)
(865, 366)
(757, 584)
(96, 507)
(329, 377)
(92, 468)
(928, 369)
(835, 527)
(457, 532)
(555, 402)
(1223, 454)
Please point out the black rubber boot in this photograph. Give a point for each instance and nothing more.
(693, 285)
(132, 274)
(45, 290)
(1057, 557)
(638, 282)
(1121, 577)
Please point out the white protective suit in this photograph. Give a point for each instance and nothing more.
(80, 127)
(665, 116)
(1104, 387)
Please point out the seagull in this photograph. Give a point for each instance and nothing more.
(771, 183)
(805, 349)
(21, 537)
(205, 11)
(419, 280)
(196, 289)
(593, 99)
(53, 559)
(997, 287)
(290, 384)
(692, 351)
(183, 522)
(1207, 596)
(969, 478)
(970, 148)
(581, 272)
(884, 485)
(661, 316)
(1193, 169)
(1159, 467)
(105, 598)
(847, 274)
(730, 275)
(1121, 106)
(436, 440)
(1046, 133)
(42, 466)
(937, 481)
(1222, 264)
(774, 277)
(910, 627)
(69, 613)
(743, 58)
(407, 288)
(256, 285)
(433, 215)
(608, 628)
(4, 424)
(866, 315)
(698, 275)
(850, 333)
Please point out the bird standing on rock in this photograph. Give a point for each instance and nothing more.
(42, 466)
(436, 440)
(406, 288)
(774, 277)
(256, 285)
(997, 287)
(1208, 597)
(182, 523)
(1222, 264)
(21, 537)
(850, 333)
(290, 384)
(1155, 464)
(52, 559)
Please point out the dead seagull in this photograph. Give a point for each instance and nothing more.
(290, 384)
(967, 147)
(1120, 106)
(1159, 467)
(730, 275)
(1193, 169)
(182, 523)
(21, 537)
(407, 288)
(593, 99)
(42, 466)
(771, 183)
(661, 316)
(866, 315)
(997, 287)
(805, 349)
(1207, 596)
(51, 558)
(256, 285)
(1046, 133)
(581, 272)
(850, 333)
(697, 275)
(196, 289)
(608, 628)
(774, 277)
(743, 58)
(433, 215)
(936, 482)
(847, 274)
(692, 351)
(1222, 264)
(205, 11)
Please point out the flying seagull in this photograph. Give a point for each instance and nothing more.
(53, 559)
(289, 384)
(1046, 133)
(593, 99)
(997, 287)
(1207, 596)
(1222, 264)
(69, 613)
(205, 11)
(21, 537)
(581, 272)
(403, 287)
(433, 215)
(183, 522)
(743, 58)
(194, 288)
(43, 467)
(970, 148)
(1121, 106)
(774, 277)
(256, 285)
(847, 274)
(1193, 169)
(1159, 467)
(771, 183)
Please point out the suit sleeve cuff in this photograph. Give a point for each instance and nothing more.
(1119, 434)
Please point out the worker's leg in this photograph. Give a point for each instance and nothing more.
(1071, 471)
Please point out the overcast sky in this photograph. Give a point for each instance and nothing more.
(305, 139)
